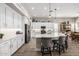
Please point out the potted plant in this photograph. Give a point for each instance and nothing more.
(1, 35)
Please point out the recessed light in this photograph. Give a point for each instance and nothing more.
(33, 8)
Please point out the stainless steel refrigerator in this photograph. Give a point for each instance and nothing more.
(27, 33)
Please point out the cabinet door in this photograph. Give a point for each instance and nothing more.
(15, 20)
(9, 17)
(55, 27)
(20, 41)
(19, 21)
(2, 16)
(5, 49)
(22, 22)
(13, 45)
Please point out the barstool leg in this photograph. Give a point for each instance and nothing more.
(59, 50)
(50, 51)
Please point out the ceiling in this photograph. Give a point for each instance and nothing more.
(42, 9)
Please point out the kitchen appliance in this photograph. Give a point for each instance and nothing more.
(43, 29)
(27, 33)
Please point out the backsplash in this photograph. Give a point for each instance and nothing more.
(9, 32)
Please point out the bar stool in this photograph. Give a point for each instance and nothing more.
(66, 42)
(61, 44)
(45, 49)
(58, 45)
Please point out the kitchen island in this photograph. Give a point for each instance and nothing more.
(51, 37)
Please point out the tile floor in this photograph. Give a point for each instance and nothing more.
(28, 50)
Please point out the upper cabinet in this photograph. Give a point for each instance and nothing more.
(15, 20)
(22, 22)
(9, 18)
(2, 16)
(19, 21)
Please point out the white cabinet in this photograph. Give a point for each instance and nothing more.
(9, 17)
(56, 27)
(5, 49)
(13, 45)
(19, 21)
(2, 16)
(16, 43)
(20, 40)
(16, 20)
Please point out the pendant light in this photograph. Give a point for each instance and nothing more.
(50, 11)
(55, 12)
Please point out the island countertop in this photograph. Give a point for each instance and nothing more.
(55, 35)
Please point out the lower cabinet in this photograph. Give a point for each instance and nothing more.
(13, 45)
(5, 49)
(8, 47)
(20, 41)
